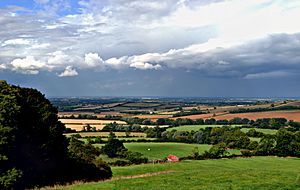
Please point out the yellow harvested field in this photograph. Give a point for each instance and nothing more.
(90, 121)
(78, 127)
(77, 124)
(105, 134)
(168, 113)
(152, 126)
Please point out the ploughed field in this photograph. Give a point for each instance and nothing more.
(267, 173)
(290, 115)
(194, 127)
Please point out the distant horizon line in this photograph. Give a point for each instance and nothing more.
(178, 97)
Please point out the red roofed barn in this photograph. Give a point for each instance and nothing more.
(172, 158)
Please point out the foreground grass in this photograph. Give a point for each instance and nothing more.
(266, 173)
(194, 127)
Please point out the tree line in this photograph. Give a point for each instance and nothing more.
(283, 143)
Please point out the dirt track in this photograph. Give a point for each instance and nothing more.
(143, 175)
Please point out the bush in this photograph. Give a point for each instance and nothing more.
(9, 179)
(120, 163)
(80, 151)
(216, 151)
(247, 153)
(266, 146)
(134, 157)
(113, 147)
(253, 145)
(98, 140)
(103, 167)
(76, 135)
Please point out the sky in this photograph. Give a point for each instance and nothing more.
(192, 48)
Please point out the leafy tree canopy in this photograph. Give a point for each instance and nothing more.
(33, 149)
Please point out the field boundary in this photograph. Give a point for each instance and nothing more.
(142, 175)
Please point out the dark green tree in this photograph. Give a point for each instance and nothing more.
(113, 147)
(33, 149)
(33, 137)
(266, 146)
(86, 162)
(216, 151)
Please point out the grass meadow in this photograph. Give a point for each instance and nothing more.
(162, 150)
(257, 173)
(157, 150)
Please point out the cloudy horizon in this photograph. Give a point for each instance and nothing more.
(152, 48)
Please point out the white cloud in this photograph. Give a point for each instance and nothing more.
(117, 63)
(221, 62)
(59, 59)
(145, 66)
(272, 74)
(93, 60)
(40, 46)
(28, 65)
(2, 67)
(42, 1)
(68, 72)
(18, 41)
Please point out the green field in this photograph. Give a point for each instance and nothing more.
(255, 139)
(266, 173)
(162, 150)
(197, 127)
(266, 131)
(194, 127)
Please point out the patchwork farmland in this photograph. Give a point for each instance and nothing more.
(163, 133)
